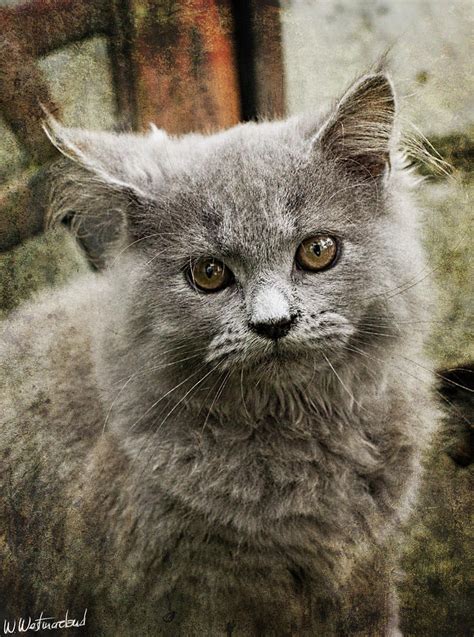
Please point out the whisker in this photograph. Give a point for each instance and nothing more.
(458, 369)
(378, 334)
(152, 369)
(209, 392)
(216, 398)
(147, 439)
(404, 371)
(184, 397)
(343, 384)
(155, 256)
(181, 401)
(129, 245)
(146, 370)
(384, 320)
(242, 392)
(165, 395)
(447, 380)
(400, 289)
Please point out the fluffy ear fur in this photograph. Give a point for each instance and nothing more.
(99, 186)
(359, 131)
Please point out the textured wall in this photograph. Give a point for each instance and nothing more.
(328, 42)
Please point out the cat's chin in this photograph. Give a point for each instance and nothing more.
(285, 360)
(283, 357)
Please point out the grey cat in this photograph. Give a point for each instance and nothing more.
(221, 432)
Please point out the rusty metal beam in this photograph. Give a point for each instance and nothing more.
(28, 31)
(47, 25)
(268, 58)
(259, 58)
(22, 91)
(184, 60)
(120, 44)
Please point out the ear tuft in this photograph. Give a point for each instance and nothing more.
(158, 133)
(90, 150)
(98, 189)
(360, 130)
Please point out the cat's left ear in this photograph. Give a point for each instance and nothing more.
(359, 132)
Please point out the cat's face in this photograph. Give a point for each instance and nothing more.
(273, 264)
(267, 246)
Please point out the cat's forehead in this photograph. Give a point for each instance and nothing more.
(255, 228)
(249, 197)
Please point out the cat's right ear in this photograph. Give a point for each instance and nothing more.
(100, 188)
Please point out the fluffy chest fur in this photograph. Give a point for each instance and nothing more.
(308, 481)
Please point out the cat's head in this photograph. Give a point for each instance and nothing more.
(265, 246)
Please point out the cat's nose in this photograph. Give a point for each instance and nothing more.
(270, 315)
(274, 329)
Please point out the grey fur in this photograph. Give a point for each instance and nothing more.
(166, 467)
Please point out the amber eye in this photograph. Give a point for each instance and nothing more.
(317, 253)
(210, 275)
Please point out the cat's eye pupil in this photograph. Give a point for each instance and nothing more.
(317, 249)
(210, 271)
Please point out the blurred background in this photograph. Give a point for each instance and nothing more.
(205, 64)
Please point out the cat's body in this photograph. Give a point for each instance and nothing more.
(174, 471)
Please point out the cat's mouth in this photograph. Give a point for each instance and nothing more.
(276, 354)
(306, 348)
